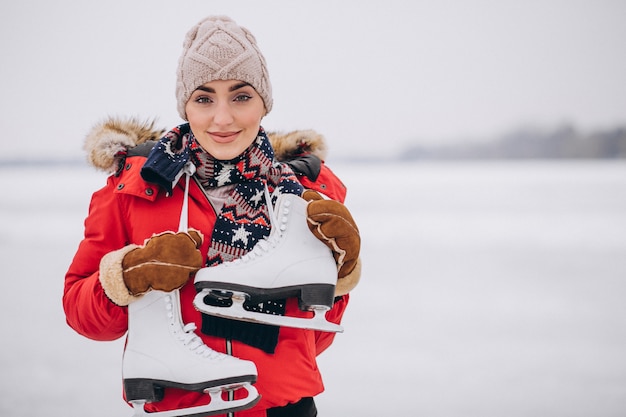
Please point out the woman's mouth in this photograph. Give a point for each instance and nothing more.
(224, 137)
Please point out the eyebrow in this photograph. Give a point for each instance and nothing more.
(232, 88)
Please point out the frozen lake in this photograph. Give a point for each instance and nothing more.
(489, 289)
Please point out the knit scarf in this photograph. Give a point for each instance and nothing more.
(243, 219)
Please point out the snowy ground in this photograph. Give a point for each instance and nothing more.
(489, 290)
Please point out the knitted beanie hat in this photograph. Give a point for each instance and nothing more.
(219, 49)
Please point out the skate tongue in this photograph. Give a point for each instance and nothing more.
(268, 202)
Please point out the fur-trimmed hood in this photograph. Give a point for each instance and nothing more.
(109, 141)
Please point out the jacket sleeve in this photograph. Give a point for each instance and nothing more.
(87, 309)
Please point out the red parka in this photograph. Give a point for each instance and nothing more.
(128, 210)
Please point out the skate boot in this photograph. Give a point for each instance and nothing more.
(162, 353)
(290, 262)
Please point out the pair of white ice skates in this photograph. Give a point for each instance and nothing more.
(290, 262)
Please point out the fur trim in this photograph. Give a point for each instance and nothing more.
(112, 276)
(109, 140)
(347, 283)
(297, 142)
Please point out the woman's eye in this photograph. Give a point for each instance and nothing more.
(243, 97)
(203, 100)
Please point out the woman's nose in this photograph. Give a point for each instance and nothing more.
(223, 114)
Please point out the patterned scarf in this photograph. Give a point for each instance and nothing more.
(243, 219)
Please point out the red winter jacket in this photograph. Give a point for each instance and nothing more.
(129, 210)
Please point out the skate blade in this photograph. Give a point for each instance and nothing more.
(238, 312)
(216, 406)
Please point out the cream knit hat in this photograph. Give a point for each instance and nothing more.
(219, 49)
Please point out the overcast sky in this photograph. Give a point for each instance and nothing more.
(372, 76)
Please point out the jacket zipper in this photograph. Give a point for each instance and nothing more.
(231, 393)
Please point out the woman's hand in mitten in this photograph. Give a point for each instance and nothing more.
(165, 262)
(331, 222)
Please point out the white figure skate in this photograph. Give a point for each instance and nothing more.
(290, 262)
(161, 352)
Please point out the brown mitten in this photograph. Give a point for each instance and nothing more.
(164, 263)
(331, 222)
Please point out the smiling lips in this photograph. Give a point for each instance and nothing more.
(223, 137)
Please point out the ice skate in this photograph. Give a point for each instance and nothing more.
(162, 353)
(291, 262)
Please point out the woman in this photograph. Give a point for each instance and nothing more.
(198, 198)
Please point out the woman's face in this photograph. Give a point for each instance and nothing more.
(225, 117)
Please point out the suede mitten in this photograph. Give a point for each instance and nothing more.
(165, 262)
(331, 222)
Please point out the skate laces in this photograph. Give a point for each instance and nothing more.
(190, 339)
(189, 169)
(265, 245)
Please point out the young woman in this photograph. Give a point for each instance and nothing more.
(197, 199)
